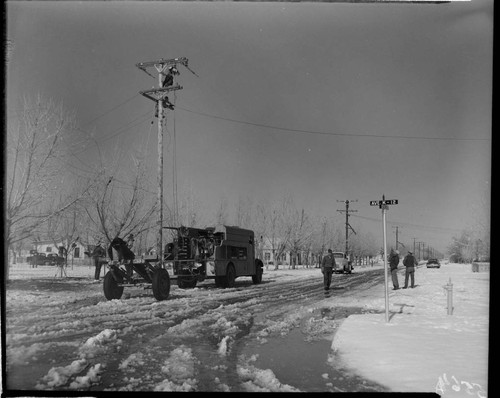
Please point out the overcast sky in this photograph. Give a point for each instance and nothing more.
(326, 102)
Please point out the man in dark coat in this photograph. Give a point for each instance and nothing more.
(327, 266)
(409, 262)
(98, 255)
(393, 263)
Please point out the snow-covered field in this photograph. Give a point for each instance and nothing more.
(421, 348)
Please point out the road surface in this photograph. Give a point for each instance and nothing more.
(62, 334)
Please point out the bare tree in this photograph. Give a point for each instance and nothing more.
(62, 230)
(221, 216)
(300, 234)
(277, 230)
(39, 143)
(243, 213)
(326, 235)
(120, 205)
(363, 244)
(191, 212)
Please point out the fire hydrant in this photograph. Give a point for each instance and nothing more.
(449, 289)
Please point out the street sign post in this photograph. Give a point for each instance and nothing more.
(383, 202)
(384, 205)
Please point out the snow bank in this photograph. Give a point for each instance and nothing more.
(421, 348)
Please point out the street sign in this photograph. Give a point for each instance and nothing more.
(383, 202)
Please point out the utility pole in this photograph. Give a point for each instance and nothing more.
(159, 96)
(419, 243)
(347, 225)
(397, 240)
(414, 244)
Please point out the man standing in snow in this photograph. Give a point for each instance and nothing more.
(393, 263)
(327, 268)
(98, 255)
(410, 262)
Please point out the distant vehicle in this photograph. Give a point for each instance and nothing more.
(54, 259)
(36, 258)
(343, 264)
(433, 263)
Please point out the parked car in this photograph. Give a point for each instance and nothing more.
(343, 264)
(36, 258)
(433, 263)
(54, 259)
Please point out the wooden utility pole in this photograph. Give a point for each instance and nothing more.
(158, 96)
(397, 241)
(419, 252)
(347, 225)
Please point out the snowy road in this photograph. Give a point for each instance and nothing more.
(65, 335)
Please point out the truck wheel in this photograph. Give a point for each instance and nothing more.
(257, 278)
(230, 276)
(161, 284)
(111, 289)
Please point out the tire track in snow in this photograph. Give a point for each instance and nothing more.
(198, 318)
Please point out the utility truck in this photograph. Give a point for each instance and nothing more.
(193, 255)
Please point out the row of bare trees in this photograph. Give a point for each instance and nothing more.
(473, 243)
(50, 199)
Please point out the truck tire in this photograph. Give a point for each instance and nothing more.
(161, 284)
(111, 289)
(230, 276)
(257, 278)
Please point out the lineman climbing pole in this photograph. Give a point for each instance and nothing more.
(347, 225)
(159, 96)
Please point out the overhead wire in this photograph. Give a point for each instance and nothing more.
(444, 229)
(111, 110)
(329, 133)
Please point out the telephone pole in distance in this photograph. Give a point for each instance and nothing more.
(347, 225)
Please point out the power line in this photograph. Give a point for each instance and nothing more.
(328, 133)
(444, 229)
(120, 130)
(111, 110)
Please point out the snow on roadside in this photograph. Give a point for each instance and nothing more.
(260, 380)
(59, 376)
(180, 369)
(422, 348)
